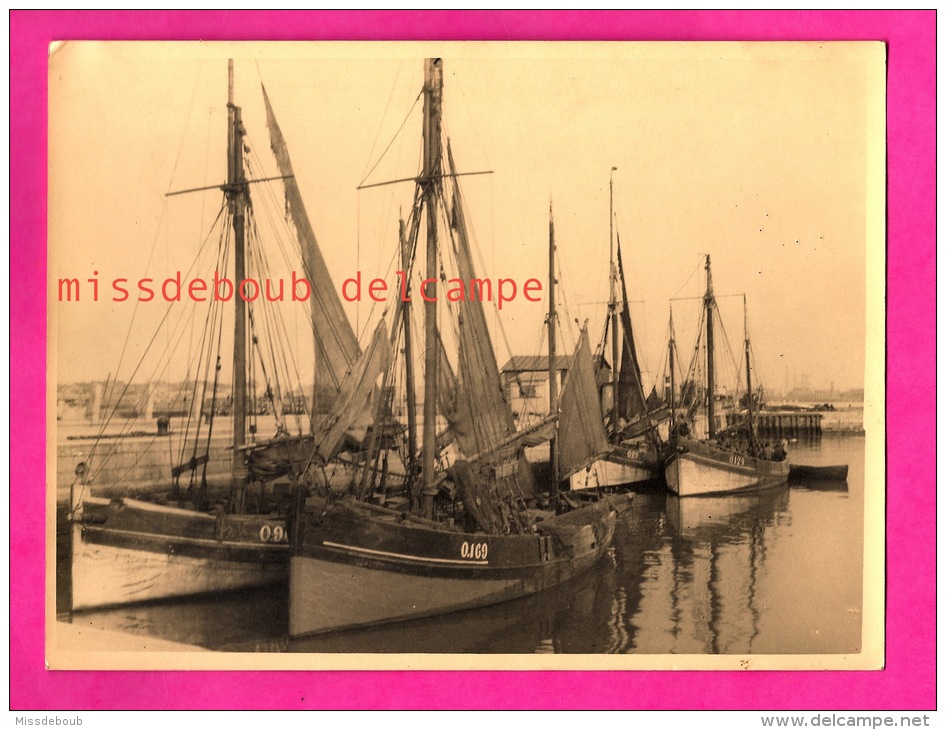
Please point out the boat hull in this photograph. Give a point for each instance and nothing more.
(613, 471)
(129, 551)
(832, 473)
(695, 468)
(350, 569)
(625, 465)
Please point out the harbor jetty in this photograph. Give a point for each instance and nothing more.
(805, 421)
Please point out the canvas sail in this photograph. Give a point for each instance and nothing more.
(482, 420)
(336, 346)
(345, 419)
(354, 396)
(581, 435)
(632, 405)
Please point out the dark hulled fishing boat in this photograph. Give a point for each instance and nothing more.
(470, 533)
(185, 537)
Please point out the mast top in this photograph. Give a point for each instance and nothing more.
(708, 297)
(745, 317)
(229, 82)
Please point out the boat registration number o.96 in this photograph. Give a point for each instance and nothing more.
(737, 460)
(476, 550)
(273, 533)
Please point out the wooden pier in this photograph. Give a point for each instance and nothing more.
(782, 424)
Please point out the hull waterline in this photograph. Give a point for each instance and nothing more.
(349, 571)
(613, 472)
(695, 468)
(129, 551)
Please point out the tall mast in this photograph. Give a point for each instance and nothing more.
(615, 386)
(673, 405)
(553, 382)
(708, 304)
(433, 97)
(745, 310)
(409, 360)
(236, 198)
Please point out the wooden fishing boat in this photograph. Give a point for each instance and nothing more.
(703, 467)
(187, 536)
(473, 533)
(581, 452)
(718, 463)
(633, 456)
(359, 565)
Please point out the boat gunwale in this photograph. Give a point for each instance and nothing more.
(601, 517)
(709, 454)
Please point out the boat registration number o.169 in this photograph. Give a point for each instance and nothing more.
(476, 550)
(276, 533)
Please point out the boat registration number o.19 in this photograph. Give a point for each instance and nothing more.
(276, 533)
(737, 460)
(476, 550)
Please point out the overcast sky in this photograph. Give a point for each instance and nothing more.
(757, 154)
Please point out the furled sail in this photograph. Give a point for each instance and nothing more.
(342, 422)
(581, 434)
(354, 396)
(336, 346)
(447, 391)
(632, 404)
(482, 419)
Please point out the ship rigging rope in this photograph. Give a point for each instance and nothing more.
(190, 110)
(644, 315)
(375, 443)
(737, 369)
(473, 245)
(453, 313)
(269, 205)
(160, 368)
(215, 325)
(699, 264)
(561, 288)
(396, 134)
(695, 361)
(383, 215)
(113, 445)
(151, 342)
(274, 328)
(393, 264)
(162, 220)
(331, 327)
(212, 325)
(488, 432)
(663, 365)
(281, 231)
(110, 392)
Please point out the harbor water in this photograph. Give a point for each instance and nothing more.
(773, 572)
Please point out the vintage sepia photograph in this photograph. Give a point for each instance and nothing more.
(477, 355)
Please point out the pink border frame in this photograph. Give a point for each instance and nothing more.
(907, 682)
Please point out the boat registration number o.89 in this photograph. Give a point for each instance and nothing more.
(476, 550)
(275, 533)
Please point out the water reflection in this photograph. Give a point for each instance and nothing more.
(775, 571)
(723, 539)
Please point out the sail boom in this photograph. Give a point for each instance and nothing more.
(226, 187)
(421, 180)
